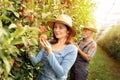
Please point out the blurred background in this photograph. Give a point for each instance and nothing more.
(23, 21)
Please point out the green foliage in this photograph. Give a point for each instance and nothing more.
(111, 42)
(82, 12)
(19, 28)
(13, 51)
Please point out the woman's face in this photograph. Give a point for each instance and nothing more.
(60, 30)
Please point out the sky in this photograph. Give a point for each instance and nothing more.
(107, 13)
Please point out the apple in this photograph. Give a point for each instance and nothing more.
(43, 37)
(17, 65)
(12, 60)
(18, 25)
(10, 4)
(20, 8)
(39, 1)
(42, 29)
(31, 17)
(19, 45)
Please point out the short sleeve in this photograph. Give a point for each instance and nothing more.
(92, 50)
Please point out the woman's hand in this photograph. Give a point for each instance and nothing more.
(45, 44)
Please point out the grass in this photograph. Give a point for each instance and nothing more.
(100, 67)
(110, 41)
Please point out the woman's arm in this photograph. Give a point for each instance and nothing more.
(68, 60)
(36, 59)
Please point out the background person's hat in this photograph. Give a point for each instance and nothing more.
(64, 19)
(90, 27)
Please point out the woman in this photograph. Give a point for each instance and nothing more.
(59, 54)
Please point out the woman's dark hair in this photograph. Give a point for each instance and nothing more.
(69, 37)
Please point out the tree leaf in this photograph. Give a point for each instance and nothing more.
(5, 18)
(16, 14)
(3, 34)
(13, 49)
(18, 32)
(12, 26)
(7, 64)
(34, 41)
(17, 41)
(0, 23)
(25, 41)
(44, 15)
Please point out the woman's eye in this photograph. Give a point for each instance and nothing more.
(60, 27)
(55, 26)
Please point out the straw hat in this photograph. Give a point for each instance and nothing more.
(64, 19)
(90, 27)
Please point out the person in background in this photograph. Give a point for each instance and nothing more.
(86, 49)
(58, 54)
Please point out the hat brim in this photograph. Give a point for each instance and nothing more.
(52, 22)
(91, 29)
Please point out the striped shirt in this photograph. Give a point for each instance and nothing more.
(89, 48)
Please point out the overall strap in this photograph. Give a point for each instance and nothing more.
(87, 45)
